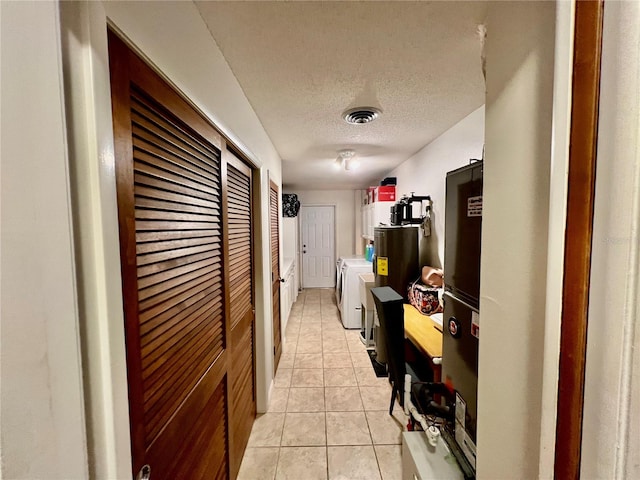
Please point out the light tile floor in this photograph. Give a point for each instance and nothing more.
(328, 416)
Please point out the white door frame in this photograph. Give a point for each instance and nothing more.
(335, 239)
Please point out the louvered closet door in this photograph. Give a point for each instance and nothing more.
(274, 221)
(168, 173)
(242, 399)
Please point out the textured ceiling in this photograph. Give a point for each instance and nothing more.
(301, 64)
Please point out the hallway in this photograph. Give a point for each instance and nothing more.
(328, 416)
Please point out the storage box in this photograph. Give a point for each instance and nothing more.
(385, 193)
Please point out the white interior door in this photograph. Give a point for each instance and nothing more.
(317, 225)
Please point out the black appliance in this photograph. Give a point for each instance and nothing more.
(461, 329)
(402, 212)
(395, 263)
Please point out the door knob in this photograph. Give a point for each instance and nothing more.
(144, 473)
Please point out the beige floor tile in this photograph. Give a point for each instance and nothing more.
(309, 345)
(308, 360)
(334, 326)
(385, 429)
(353, 335)
(376, 398)
(311, 309)
(335, 347)
(311, 325)
(304, 430)
(289, 346)
(328, 337)
(352, 463)
(337, 360)
(339, 377)
(296, 413)
(307, 377)
(389, 461)
(292, 331)
(286, 360)
(332, 335)
(366, 377)
(347, 428)
(356, 346)
(310, 335)
(278, 400)
(306, 400)
(331, 320)
(302, 463)
(329, 310)
(283, 378)
(296, 310)
(360, 359)
(342, 399)
(259, 463)
(354, 341)
(267, 430)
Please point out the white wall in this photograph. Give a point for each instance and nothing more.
(42, 407)
(174, 38)
(425, 174)
(518, 125)
(611, 428)
(345, 215)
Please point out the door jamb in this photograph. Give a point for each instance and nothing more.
(578, 237)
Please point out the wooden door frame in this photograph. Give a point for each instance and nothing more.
(273, 185)
(231, 156)
(578, 236)
(335, 239)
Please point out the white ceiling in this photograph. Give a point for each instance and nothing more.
(301, 64)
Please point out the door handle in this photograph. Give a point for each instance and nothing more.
(144, 473)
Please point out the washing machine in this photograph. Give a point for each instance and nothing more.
(339, 265)
(350, 306)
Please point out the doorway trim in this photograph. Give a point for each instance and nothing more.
(578, 239)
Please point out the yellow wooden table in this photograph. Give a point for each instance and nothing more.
(422, 332)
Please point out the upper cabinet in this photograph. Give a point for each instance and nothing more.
(375, 214)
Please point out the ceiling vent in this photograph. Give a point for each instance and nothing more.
(360, 115)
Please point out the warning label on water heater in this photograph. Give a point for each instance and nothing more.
(475, 324)
(474, 206)
(383, 266)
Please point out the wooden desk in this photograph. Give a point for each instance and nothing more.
(422, 333)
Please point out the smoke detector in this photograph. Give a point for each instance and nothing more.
(360, 115)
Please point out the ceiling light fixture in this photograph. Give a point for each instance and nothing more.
(345, 160)
(360, 115)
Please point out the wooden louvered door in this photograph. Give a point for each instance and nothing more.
(242, 411)
(274, 222)
(188, 291)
